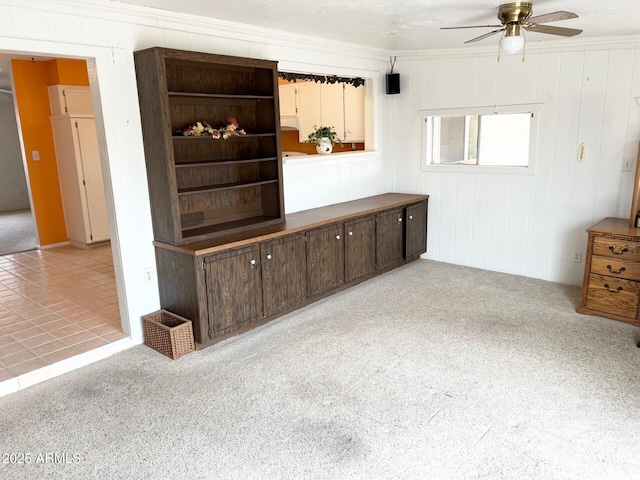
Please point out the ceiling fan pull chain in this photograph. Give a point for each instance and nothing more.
(524, 45)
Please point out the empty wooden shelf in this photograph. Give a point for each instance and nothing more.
(201, 187)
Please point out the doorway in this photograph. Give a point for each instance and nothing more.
(58, 301)
(17, 226)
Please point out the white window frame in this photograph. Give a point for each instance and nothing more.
(530, 169)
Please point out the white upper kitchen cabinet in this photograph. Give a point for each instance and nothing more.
(353, 113)
(309, 110)
(288, 101)
(332, 107)
(336, 105)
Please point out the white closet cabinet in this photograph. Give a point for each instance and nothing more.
(80, 176)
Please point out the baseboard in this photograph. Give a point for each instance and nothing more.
(52, 245)
(28, 379)
(87, 246)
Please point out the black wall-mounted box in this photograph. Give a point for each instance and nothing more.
(393, 83)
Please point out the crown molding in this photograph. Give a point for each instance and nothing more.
(596, 43)
(135, 14)
(139, 15)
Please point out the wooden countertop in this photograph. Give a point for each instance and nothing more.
(300, 221)
(615, 226)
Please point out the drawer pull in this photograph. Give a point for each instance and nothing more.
(269, 257)
(623, 251)
(622, 269)
(617, 290)
(253, 262)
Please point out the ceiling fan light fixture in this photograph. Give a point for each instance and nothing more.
(512, 41)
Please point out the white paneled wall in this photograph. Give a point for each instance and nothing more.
(107, 34)
(526, 224)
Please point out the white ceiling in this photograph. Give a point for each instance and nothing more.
(405, 24)
(398, 25)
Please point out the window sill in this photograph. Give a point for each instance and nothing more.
(530, 170)
(333, 158)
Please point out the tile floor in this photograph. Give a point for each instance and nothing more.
(55, 304)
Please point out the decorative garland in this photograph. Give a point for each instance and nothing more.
(294, 77)
(203, 129)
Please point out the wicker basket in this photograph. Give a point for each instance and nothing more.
(168, 333)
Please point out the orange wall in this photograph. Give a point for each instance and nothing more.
(31, 80)
(65, 71)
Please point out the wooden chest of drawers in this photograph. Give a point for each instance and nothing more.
(611, 286)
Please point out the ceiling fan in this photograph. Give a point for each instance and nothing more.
(515, 17)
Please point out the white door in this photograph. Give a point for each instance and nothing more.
(98, 222)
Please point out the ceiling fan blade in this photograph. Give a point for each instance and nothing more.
(472, 26)
(551, 17)
(481, 37)
(563, 32)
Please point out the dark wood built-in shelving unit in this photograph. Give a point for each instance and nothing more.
(201, 187)
(226, 258)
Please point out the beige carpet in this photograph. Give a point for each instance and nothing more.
(17, 232)
(432, 371)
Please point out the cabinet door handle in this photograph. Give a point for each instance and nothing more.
(622, 269)
(400, 219)
(269, 257)
(617, 290)
(337, 237)
(253, 262)
(410, 217)
(351, 234)
(624, 250)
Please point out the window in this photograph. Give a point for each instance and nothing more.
(329, 101)
(486, 137)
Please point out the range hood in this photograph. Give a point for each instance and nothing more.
(289, 123)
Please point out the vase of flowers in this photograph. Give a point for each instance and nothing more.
(324, 138)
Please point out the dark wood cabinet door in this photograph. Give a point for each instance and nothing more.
(359, 247)
(416, 233)
(325, 258)
(284, 273)
(233, 289)
(389, 237)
